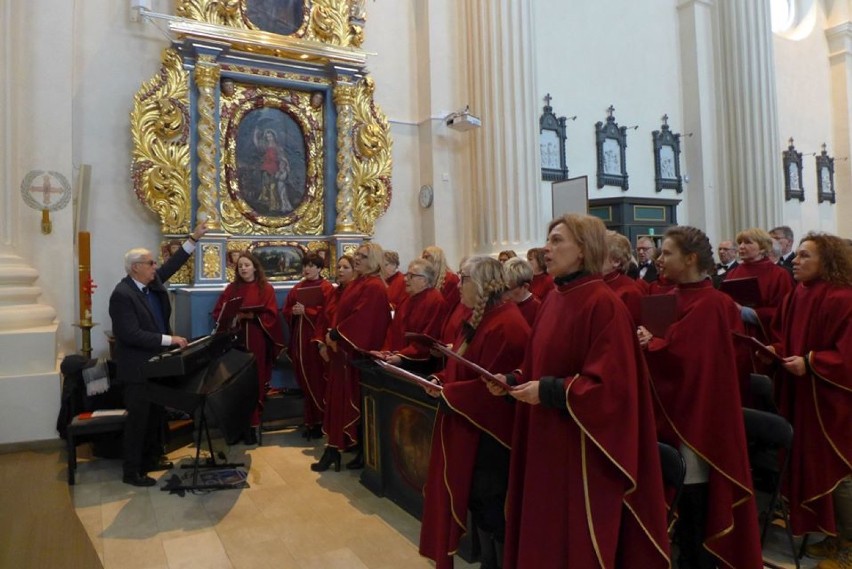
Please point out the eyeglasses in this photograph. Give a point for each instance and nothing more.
(726, 249)
(463, 277)
(409, 275)
(150, 263)
(643, 249)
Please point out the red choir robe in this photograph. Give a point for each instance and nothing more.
(497, 344)
(423, 313)
(396, 290)
(697, 398)
(774, 283)
(628, 292)
(452, 325)
(450, 289)
(262, 334)
(308, 366)
(585, 485)
(529, 308)
(660, 286)
(541, 285)
(815, 322)
(643, 285)
(361, 320)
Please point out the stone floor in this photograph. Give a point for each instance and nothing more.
(289, 518)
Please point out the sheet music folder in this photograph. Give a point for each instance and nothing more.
(408, 376)
(758, 346)
(310, 296)
(744, 291)
(659, 311)
(227, 315)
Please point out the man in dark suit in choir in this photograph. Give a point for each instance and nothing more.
(140, 310)
(727, 261)
(784, 236)
(646, 252)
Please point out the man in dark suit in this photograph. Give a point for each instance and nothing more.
(140, 310)
(784, 236)
(727, 261)
(646, 252)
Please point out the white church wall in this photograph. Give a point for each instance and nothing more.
(624, 53)
(805, 113)
(113, 57)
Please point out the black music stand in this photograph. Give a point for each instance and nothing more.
(209, 376)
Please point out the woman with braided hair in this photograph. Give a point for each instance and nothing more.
(470, 444)
(446, 281)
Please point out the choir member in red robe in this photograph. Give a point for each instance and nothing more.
(304, 321)
(623, 286)
(699, 410)
(260, 327)
(423, 311)
(754, 246)
(393, 279)
(813, 331)
(468, 467)
(360, 322)
(585, 485)
(518, 275)
(345, 274)
(446, 281)
(542, 283)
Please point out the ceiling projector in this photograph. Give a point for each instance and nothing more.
(463, 121)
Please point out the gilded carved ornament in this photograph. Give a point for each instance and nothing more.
(334, 22)
(211, 254)
(160, 133)
(371, 168)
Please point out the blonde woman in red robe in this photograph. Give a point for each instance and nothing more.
(813, 332)
(754, 247)
(259, 329)
(542, 283)
(468, 467)
(446, 281)
(360, 321)
(304, 322)
(393, 279)
(696, 389)
(585, 485)
(615, 263)
(423, 312)
(518, 275)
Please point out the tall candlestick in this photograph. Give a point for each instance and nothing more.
(84, 252)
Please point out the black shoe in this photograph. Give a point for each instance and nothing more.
(161, 463)
(250, 436)
(357, 462)
(138, 480)
(329, 457)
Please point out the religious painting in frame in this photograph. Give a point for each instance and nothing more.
(792, 161)
(281, 260)
(283, 17)
(667, 158)
(273, 159)
(611, 141)
(825, 177)
(551, 140)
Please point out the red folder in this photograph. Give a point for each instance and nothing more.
(756, 345)
(744, 291)
(310, 296)
(659, 311)
(408, 376)
(489, 377)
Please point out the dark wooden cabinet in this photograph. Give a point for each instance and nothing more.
(636, 217)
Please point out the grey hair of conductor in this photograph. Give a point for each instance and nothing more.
(136, 255)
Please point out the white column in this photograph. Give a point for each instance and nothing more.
(699, 53)
(752, 146)
(840, 60)
(505, 210)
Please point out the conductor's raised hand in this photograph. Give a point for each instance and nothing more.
(200, 229)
